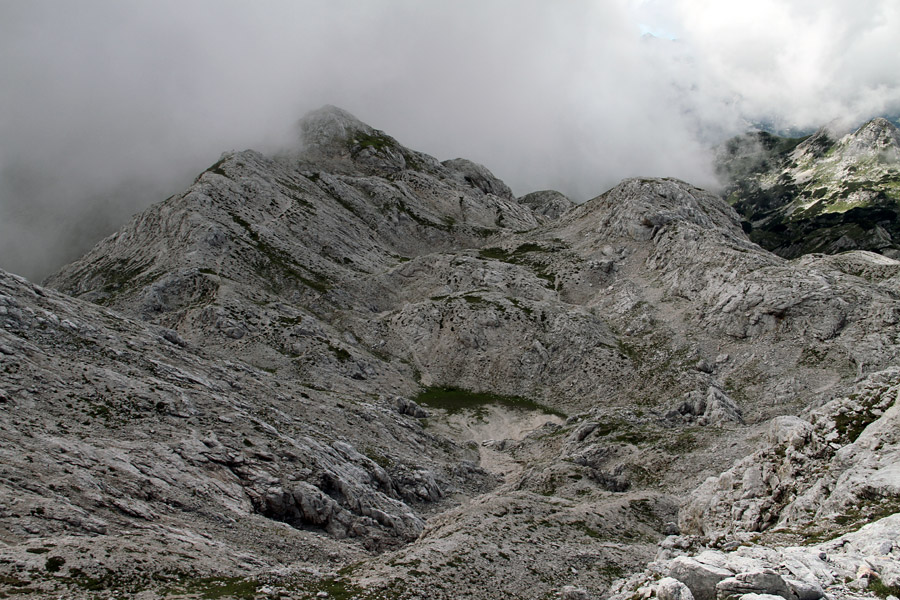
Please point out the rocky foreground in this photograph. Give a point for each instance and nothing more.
(353, 370)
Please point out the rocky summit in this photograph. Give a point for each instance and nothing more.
(350, 370)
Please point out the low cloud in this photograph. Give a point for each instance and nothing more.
(109, 106)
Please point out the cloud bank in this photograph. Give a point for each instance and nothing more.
(108, 106)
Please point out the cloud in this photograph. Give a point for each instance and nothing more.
(799, 63)
(108, 106)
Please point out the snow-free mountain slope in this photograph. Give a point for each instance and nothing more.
(351, 368)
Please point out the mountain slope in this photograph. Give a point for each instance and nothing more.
(352, 368)
(816, 194)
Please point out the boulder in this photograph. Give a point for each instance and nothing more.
(763, 581)
(570, 592)
(672, 589)
(699, 577)
(806, 590)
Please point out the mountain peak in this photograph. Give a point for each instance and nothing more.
(330, 124)
(878, 134)
(349, 145)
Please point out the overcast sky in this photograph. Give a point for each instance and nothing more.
(109, 106)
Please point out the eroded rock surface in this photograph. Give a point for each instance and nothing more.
(241, 383)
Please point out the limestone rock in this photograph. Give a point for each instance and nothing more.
(466, 171)
(547, 203)
(800, 476)
(405, 406)
(700, 578)
(765, 581)
(672, 589)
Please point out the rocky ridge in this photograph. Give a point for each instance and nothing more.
(354, 369)
(817, 194)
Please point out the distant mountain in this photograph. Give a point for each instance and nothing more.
(817, 193)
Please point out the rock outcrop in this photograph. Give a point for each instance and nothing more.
(834, 471)
(860, 564)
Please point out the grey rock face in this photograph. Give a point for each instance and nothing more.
(570, 592)
(405, 406)
(838, 568)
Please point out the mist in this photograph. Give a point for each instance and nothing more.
(109, 106)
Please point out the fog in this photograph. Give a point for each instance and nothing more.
(109, 106)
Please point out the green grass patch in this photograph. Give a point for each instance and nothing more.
(375, 140)
(383, 461)
(518, 304)
(295, 193)
(455, 400)
(443, 226)
(217, 587)
(881, 589)
(610, 571)
(338, 589)
(217, 167)
(870, 405)
(682, 443)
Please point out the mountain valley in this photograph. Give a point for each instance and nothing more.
(350, 370)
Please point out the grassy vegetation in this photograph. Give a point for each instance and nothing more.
(853, 517)
(587, 530)
(294, 194)
(375, 140)
(383, 461)
(339, 589)
(340, 353)
(513, 256)
(851, 422)
(455, 400)
(217, 167)
(883, 590)
(525, 309)
(682, 443)
(122, 276)
(524, 255)
(610, 571)
(216, 587)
